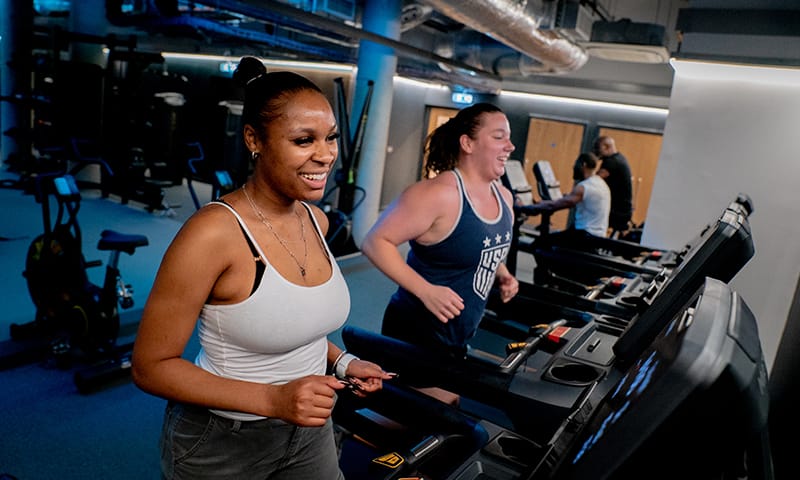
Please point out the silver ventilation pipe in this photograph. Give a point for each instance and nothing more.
(517, 25)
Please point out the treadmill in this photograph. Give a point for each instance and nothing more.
(689, 404)
(591, 266)
(503, 388)
(720, 250)
(625, 252)
(516, 386)
(550, 189)
(589, 337)
(398, 433)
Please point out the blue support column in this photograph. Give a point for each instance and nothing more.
(377, 63)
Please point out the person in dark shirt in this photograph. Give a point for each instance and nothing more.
(616, 171)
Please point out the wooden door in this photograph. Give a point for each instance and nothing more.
(642, 150)
(559, 143)
(436, 117)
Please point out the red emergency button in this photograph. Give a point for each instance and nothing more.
(617, 282)
(557, 334)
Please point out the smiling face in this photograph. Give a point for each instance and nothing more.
(298, 148)
(491, 146)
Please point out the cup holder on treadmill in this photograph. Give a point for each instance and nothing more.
(515, 449)
(572, 373)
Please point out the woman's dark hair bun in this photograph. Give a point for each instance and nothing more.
(248, 70)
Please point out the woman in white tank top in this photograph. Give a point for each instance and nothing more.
(255, 269)
(590, 196)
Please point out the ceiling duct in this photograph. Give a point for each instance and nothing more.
(517, 25)
(474, 48)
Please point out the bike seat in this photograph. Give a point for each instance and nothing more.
(111, 240)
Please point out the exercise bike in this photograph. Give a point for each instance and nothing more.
(75, 319)
(198, 170)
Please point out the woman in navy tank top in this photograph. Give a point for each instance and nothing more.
(458, 222)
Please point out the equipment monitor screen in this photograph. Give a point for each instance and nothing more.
(687, 407)
(723, 249)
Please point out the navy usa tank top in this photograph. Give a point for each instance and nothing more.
(466, 260)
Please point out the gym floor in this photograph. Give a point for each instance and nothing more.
(49, 429)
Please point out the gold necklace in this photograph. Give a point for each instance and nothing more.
(301, 266)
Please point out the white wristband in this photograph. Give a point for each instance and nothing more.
(340, 367)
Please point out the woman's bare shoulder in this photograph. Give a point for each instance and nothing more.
(438, 188)
(210, 225)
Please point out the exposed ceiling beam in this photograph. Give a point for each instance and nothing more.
(250, 7)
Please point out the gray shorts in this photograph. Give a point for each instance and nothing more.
(197, 444)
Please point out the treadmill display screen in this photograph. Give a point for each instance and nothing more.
(724, 249)
(636, 381)
(696, 395)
